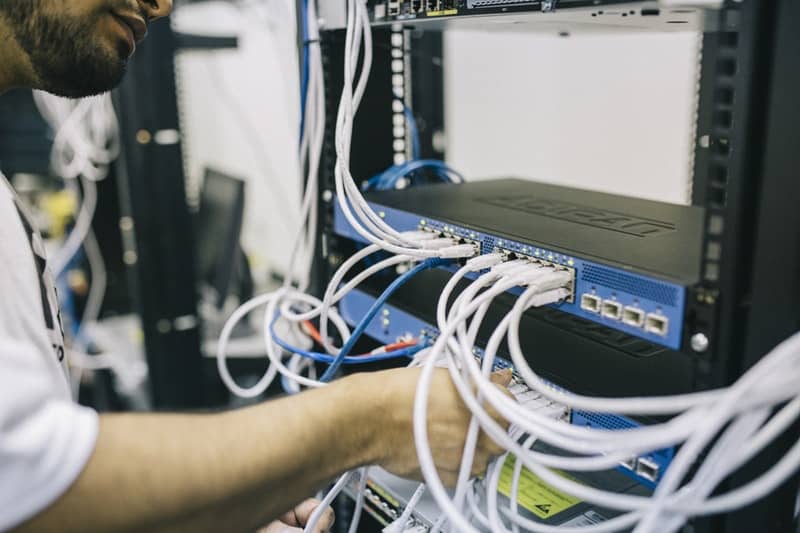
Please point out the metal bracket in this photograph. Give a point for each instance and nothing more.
(548, 6)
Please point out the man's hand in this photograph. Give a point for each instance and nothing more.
(295, 520)
(448, 420)
(237, 470)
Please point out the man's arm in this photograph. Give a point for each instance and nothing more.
(238, 470)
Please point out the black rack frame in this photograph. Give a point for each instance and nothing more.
(156, 223)
(744, 176)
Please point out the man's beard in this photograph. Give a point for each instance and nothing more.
(68, 57)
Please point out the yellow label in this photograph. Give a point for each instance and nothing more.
(534, 494)
(377, 489)
(442, 13)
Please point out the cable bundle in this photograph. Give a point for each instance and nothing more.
(85, 144)
(290, 305)
(732, 425)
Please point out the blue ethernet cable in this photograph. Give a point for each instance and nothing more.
(361, 360)
(388, 179)
(416, 144)
(429, 263)
(305, 66)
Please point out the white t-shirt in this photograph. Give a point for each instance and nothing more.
(45, 438)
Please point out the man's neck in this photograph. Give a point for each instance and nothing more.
(15, 66)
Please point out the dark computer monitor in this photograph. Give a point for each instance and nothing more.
(221, 263)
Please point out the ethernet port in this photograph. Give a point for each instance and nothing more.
(591, 303)
(647, 468)
(633, 316)
(612, 309)
(658, 324)
(630, 464)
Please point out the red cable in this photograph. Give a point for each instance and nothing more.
(314, 333)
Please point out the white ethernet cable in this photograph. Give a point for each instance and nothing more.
(468, 340)
(91, 311)
(287, 297)
(86, 142)
(310, 153)
(420, 407)
(773, 428)
(475, 264)
(359, 508)
(417, 245)
(316, 516)
(465, 352)
(763, 440)
(400, 525)
(86, 134)
(352, 203)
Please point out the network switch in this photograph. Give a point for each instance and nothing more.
(631, 260)
(567, 14)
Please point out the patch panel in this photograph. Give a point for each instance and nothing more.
(630, 272)
(378, 501)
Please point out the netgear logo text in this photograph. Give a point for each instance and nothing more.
(580, 214)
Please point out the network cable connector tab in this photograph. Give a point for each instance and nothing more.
(631, 261)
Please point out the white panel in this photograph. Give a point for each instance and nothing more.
(240, 114)
(612, 113)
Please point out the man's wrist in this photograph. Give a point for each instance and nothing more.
(368, 401)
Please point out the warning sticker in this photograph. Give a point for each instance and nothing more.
(534, 494)
(442, 13)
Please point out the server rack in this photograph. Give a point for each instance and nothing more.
(156, 224)
(748, 299)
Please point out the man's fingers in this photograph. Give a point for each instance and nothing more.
(290, 519)
(501, 377)
(279, 527)
(304, 511)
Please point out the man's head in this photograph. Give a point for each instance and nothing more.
(78, 47)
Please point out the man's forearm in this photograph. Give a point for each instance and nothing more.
(232, 471)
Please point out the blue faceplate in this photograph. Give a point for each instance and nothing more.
(658, 302)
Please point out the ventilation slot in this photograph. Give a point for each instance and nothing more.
(645, 289)
(604, 421)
